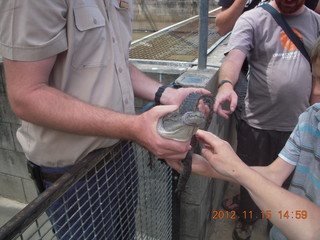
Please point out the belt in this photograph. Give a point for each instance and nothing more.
(52, 177)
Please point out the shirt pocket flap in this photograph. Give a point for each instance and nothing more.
(88, 17)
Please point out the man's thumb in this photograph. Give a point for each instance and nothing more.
(163, 110)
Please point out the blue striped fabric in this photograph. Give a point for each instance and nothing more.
(303, 150)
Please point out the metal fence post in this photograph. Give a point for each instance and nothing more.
(175, 208)
(203, 35)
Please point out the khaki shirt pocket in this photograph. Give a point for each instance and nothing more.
(91, 41)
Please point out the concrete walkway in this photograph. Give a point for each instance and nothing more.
(222, 228)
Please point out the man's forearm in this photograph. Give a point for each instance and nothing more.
(231, 66)
(226, 20)
(34, 101)
(144, 87)
(53, 109)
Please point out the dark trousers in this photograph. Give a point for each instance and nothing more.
(257, 147)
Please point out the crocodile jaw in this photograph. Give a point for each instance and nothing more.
(180, 128)
(181, 134)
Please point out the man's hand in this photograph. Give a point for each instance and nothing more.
(176, 96)
(225, 94)
(146, 134)
(229, 70)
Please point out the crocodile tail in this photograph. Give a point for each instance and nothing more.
(184, 176)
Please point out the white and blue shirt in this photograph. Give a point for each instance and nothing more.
(303, 151)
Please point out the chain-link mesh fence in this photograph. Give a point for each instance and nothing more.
(117, 193)
(178, 43)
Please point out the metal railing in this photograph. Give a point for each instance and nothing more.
(116, 193)
(178, 44)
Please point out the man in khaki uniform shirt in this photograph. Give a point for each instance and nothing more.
(69, 80)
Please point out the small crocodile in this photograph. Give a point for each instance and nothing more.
(182, 124)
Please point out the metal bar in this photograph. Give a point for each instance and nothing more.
(161, 31)
(217, 43)
(162, 62)
(175, 208)
(213, 47)
(203, 35)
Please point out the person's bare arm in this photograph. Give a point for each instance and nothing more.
(229, 70)
(146, 87)
(200, 166)
(269, 196)
(277, 172)
(232, 65)
(302, 222)
(227, 18)
(317, 9)
(34, 101)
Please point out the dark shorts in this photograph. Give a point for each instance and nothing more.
(257, 147)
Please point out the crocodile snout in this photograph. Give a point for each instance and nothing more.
(195, 119)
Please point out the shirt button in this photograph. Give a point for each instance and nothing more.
(120, 69)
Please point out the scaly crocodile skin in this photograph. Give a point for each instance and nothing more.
(182, 124)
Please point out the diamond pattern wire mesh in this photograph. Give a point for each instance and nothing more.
(179, 43)
(128, 196)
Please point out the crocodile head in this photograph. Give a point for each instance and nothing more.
(182, 124)
(180, 127)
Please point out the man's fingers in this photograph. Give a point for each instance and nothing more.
(216, 105)
(202, 91)
(222, 112)
(204, 108)
(173, 150)
(163, 110)
(175, 165)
